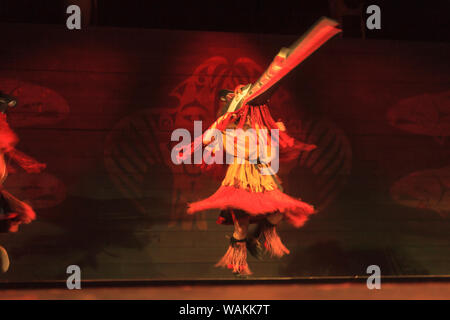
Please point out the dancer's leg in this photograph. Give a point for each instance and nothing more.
(4, 260)
(241, 222)
(268, 234)
(236, 256)
(275, 218)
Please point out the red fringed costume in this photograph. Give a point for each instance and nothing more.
(13, 212)
(244, 188)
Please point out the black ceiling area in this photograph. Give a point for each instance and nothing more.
(401, 19)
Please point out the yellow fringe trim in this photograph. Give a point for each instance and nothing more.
(247, 176)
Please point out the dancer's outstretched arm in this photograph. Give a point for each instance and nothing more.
(29, 164)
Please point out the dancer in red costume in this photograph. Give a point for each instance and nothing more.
(250, 192)
(13, 212)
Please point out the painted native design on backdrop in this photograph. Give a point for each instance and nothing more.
(425, 189)
(39, 106)
(425, 114)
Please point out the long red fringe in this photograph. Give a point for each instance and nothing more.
(236, 259)
(29, 164)
(273, 242)
(7, 137)
(25, 212)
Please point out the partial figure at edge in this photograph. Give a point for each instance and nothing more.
(13, 212)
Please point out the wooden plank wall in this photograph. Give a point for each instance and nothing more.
(99, 111)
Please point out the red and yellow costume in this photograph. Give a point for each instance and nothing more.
(244, 187)
(245, 193)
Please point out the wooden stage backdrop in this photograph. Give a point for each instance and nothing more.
(99, 105)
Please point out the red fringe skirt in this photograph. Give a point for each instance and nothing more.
(256, 204)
